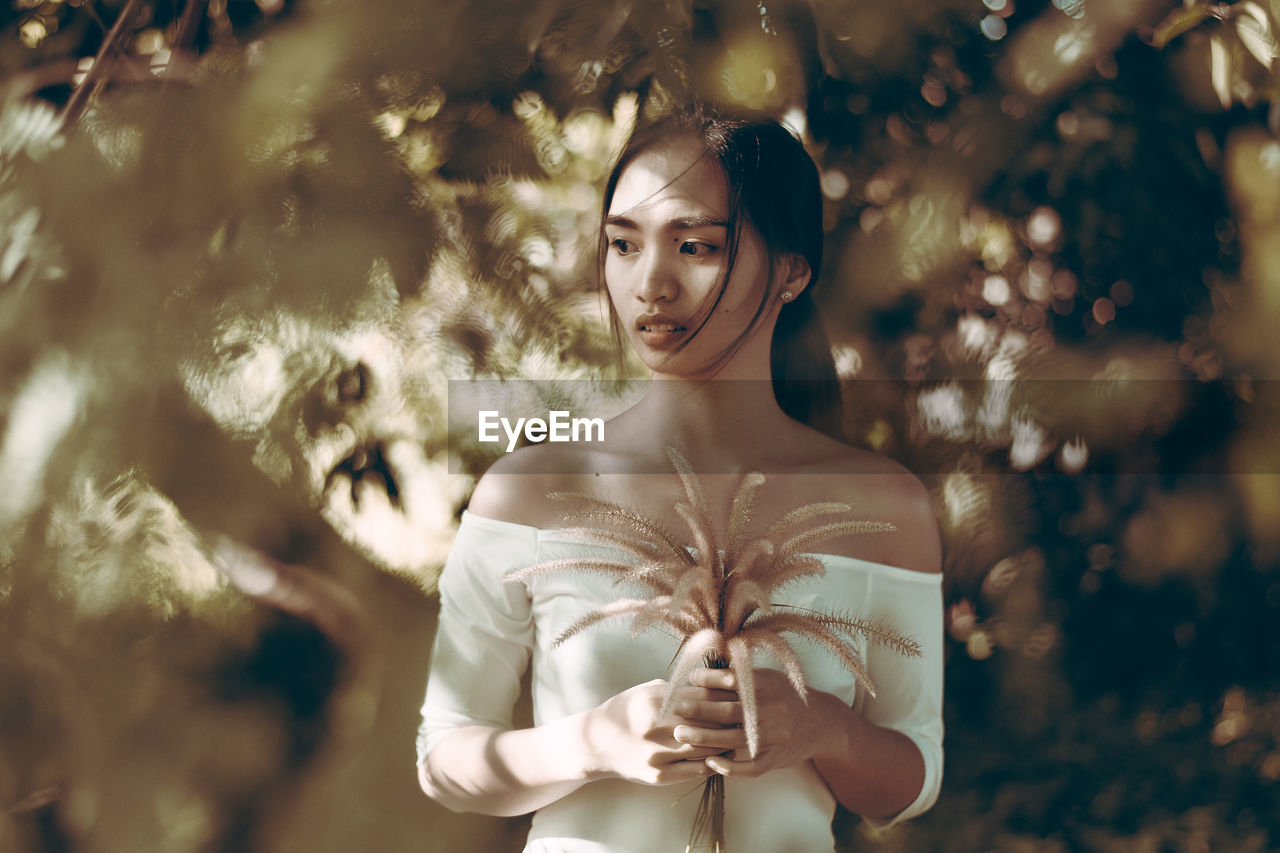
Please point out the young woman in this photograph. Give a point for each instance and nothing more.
(711, 239)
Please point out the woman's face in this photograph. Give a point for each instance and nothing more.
(667, 234)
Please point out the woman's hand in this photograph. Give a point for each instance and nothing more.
(627, 737)
(790, 730)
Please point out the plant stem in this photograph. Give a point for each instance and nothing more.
(708, 822)
(80, 97)
(185, 35)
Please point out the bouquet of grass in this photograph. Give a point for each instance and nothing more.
(718, 597)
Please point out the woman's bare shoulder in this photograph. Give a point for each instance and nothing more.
(880, 489)
(516, 487)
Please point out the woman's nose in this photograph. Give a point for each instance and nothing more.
(657, 281)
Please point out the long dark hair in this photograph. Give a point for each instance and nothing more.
(774, 187)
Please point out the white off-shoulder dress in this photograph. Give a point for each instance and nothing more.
(490, 630)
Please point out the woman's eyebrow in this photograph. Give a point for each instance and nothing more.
(687, 222)
(684, 223)
(621, 222)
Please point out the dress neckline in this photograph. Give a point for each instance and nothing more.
(540, 533)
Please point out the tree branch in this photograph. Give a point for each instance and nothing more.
(79, 99)
(184, 35)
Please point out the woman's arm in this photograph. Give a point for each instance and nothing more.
(888, 765)
(504, 773)
(872, 771)
(511, 772)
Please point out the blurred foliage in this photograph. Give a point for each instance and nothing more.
(245, 243)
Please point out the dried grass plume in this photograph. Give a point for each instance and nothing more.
(718, 597)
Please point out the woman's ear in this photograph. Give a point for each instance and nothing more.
(795, 274)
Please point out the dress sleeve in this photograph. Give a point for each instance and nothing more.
(909, 694)
(485, 632)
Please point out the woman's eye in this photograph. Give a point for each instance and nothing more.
(621, 246)
(697, 249)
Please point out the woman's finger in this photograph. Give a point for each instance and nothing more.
(715, 739)
(719, 679)
(676, 772)
(694, 753)
(703, 694)
(720, 713)
(728, 767)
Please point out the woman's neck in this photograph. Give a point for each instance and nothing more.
(720, 425)
(727, 421)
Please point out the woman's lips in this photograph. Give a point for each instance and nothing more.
(660, 332)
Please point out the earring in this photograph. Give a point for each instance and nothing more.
(786, 296)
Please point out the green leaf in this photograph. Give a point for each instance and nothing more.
(1220, 70)
(1254, 28)
(1178, 22)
